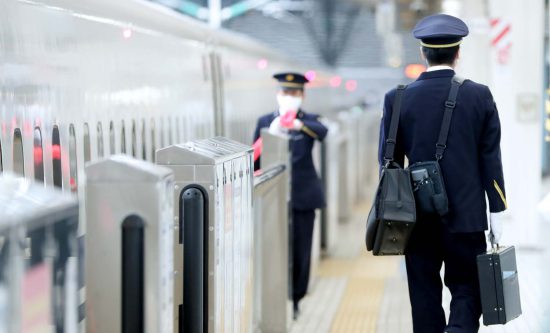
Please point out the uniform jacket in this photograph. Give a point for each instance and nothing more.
(471, 165)
(307, 190)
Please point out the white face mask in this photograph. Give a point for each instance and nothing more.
(288, 103)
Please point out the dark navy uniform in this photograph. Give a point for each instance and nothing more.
(307, 190)
(471, 168)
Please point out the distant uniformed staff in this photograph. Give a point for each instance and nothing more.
(307, 191)
(471, 168)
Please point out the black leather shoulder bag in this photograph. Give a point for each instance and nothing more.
(393, 212)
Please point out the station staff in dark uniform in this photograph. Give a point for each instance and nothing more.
(307, 190)
(471, 168)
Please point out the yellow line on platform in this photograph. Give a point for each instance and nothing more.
(360, 306)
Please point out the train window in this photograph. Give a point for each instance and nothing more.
(177, 122)
(56, 158)
(170, 124)
(143, 140)
(73, 165)
(38, 153)
(134, 139)
(87, 148)
(18, 160)
(161, 133)
(111, 138)
(99, 140)
(123, 139)
(1, 164)
(153, 141)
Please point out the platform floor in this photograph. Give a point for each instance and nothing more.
(354, 291)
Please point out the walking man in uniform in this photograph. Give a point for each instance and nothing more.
(307, 195)
(471, 168)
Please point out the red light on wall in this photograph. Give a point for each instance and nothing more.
(262, 63)
(335, 81)
(56, 152)
(413, 71)
(310, 75)
(351, 85)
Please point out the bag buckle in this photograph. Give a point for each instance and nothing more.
(450, 104)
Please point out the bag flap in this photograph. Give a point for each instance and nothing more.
(397, 197)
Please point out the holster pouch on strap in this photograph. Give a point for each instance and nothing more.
(429, 188)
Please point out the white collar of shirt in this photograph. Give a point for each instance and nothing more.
(438, 68)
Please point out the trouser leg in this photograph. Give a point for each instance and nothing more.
(302, 227)
(424, 260)
(461, 278)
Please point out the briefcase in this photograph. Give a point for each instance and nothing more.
(499, 285)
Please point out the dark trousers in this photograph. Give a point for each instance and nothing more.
(429, 247)
(302, 234)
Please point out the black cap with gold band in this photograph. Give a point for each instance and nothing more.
(291, 80)
(440, 31)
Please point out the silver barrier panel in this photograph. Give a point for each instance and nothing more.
(349, 127)
(273, 279)
(334, 157)
(38, 258)
(128, 260)
(220, 169)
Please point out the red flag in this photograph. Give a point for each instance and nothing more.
(287, 120)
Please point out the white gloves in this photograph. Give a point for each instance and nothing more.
(297, 125)
(277, 128)
(496, 227)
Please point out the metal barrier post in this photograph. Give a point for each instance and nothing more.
(129, 266)
(334, 152)
(222, 170)
(349, 174)
(38, 258)
(273, 247)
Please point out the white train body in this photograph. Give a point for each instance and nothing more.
(124, 77)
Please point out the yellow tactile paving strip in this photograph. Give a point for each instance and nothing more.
(360, 306)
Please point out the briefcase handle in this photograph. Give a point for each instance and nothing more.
(492, 240)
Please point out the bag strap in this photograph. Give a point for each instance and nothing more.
(394, 124)
(450, 104)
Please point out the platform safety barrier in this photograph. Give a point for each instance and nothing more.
(38, 258)
(362, 129)
(334, 152)
(213, 193)
(128, 259)
(272, 225)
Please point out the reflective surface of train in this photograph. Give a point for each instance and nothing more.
(83, 80)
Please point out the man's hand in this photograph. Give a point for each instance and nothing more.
(496, 228)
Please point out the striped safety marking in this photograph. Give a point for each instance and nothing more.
(501, 38)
